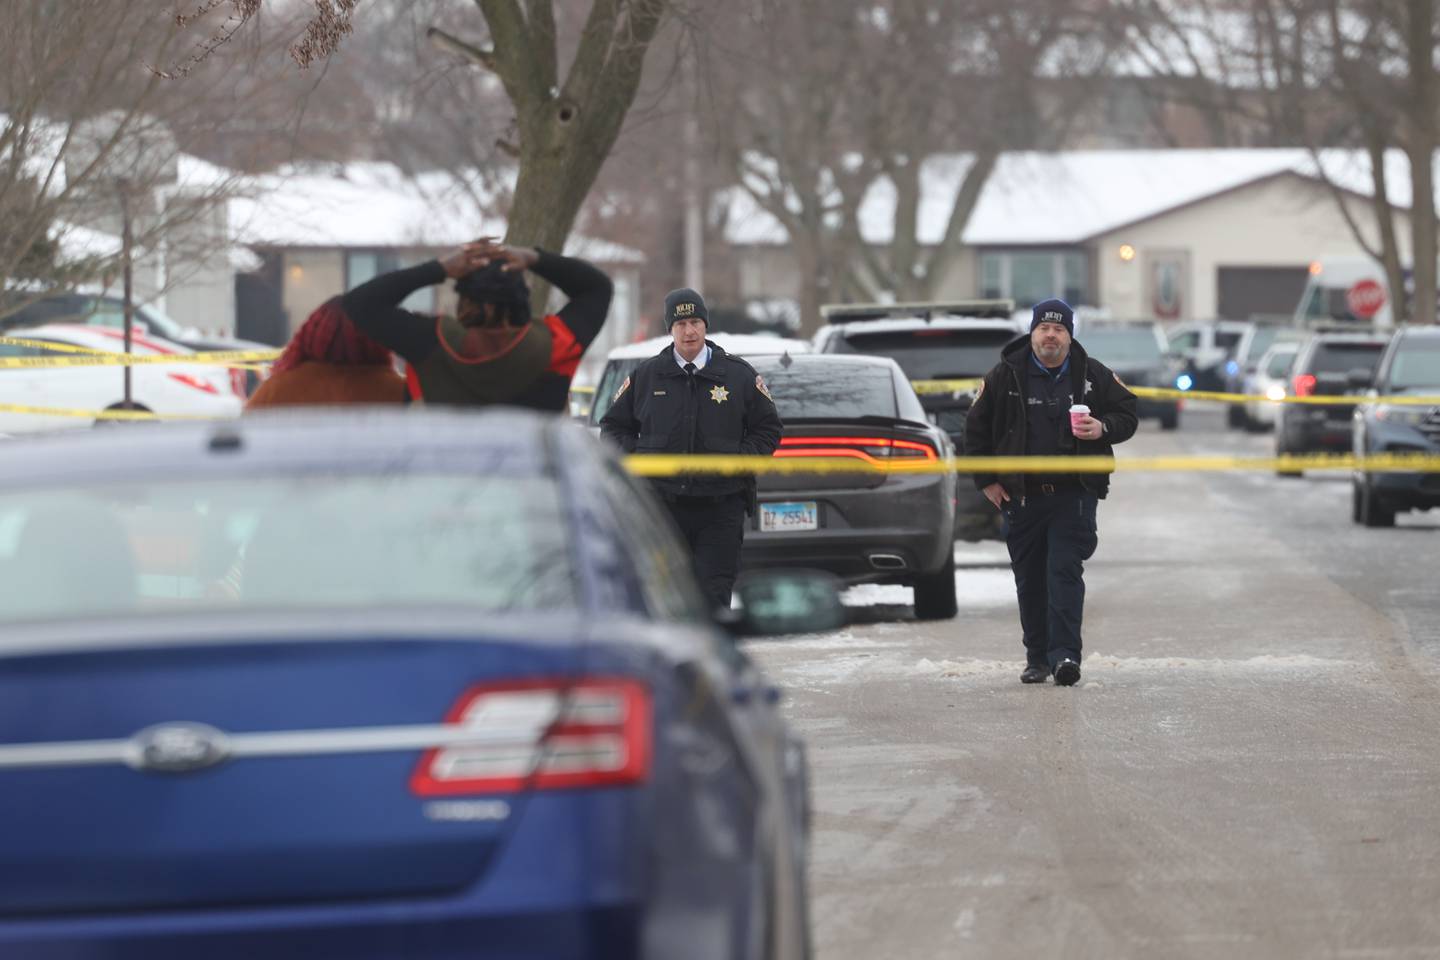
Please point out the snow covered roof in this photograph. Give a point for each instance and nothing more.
(902, 325)
(377, 205)
(1068, 198)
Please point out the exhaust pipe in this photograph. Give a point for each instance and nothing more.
(887, 561)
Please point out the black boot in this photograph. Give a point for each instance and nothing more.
(1035, 673)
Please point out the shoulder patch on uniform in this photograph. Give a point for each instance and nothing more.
(623, 387)
(760, 385)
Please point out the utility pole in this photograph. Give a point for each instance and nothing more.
(126, 244)
(694, 212)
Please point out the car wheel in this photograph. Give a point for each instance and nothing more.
(935, 593)
(1235, 417)
(1170, 421)
(1373, 511)
(1355, 495)
(1280, 451)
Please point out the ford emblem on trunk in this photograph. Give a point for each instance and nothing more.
(178, 748)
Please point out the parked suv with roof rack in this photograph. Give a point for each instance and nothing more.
(954, 340)
(1411, 365)
(1136, 352)
(1329, 364)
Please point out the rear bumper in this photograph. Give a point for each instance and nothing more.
(1156, 409)
(1405, 491)
(893, 532)
(1304, 431)
(559, 888)
(379, 932)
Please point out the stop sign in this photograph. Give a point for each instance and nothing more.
(1365, 299)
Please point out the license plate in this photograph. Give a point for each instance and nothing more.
(782, 517)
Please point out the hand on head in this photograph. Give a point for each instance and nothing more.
(513, 258)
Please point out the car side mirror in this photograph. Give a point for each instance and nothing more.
(780, 602)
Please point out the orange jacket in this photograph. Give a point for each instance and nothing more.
(328, 384)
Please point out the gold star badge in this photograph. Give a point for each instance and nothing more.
(719, 394)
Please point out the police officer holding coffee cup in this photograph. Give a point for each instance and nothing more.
(1046, 397)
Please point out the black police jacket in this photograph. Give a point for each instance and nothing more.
(724, 408)
(995, 425)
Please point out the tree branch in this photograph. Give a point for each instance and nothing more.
(466, 51)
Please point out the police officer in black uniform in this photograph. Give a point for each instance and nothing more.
(695, 398)
(1024, 410)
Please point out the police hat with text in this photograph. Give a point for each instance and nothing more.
(685, 304)
(1053, 311)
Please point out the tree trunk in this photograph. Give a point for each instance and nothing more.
(1385, 225)
(965, 200)
(566, 131)
(808, 259)
(905, 279)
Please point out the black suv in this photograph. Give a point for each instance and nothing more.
(1328, 364)
(1136, 352)
(934, 341)
(1411, 365)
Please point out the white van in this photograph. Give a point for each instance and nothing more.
(1346, 289)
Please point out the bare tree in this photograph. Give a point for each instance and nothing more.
(835, 100)
(1358, 73)
(565, 122)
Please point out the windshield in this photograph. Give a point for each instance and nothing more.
(1279, 363)
(1344, 357)
(1416, 364)
(932, 353)
(615, 373)
(492, 543)
(1118, 345)
(830, 390)
(1262, 340)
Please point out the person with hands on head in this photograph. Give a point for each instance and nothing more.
(1024, 408)
(492, 350)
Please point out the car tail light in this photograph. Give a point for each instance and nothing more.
(196, 382)
(546, 734)
(870, 449)
(1305, 385)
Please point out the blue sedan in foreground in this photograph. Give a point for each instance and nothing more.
(379, 685)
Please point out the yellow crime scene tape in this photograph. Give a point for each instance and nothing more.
(934, 387)
(669, 465)
(48, 345)
(1162, 393)
(224, 358)
(21, 408)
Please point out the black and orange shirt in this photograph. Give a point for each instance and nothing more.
(374, 306)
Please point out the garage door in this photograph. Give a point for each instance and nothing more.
(1247, 292)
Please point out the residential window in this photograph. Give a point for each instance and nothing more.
(1029, 276)
(362, 265)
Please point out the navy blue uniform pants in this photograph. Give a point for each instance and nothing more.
(714, 530)
(1050, 538)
